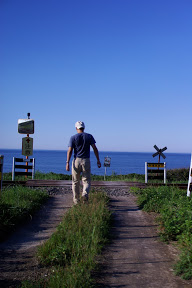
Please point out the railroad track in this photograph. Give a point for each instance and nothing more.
(65, 183)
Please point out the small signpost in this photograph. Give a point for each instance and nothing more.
(1, 171)
(107, 163)
(153, 170)
(189, 188)
(26, 126)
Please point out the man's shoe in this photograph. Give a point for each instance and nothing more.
(84, 198)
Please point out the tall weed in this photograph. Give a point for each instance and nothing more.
(18, 203)
(73, 247)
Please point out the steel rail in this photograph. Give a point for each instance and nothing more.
(67, 183)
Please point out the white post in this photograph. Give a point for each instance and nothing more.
(146, 176)
(165, 174)
(190, 179)
(105, 172)
(33, 169)
(13, 169)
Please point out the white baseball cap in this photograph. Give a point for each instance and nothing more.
(79, 125)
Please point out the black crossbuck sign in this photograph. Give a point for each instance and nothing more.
(159, 152)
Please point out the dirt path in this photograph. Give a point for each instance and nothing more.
(136, 257)
(17, 254)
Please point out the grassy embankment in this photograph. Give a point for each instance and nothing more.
(173, 175)
(175, 220)
(17, 204)
(70, 252)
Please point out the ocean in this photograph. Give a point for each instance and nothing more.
(121, 162)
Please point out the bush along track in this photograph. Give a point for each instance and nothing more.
(175, 220)
(18, 204)
(173, 176)
(70, 252)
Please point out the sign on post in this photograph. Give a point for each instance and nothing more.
(27, 146)
(1, 171)
(107, 163)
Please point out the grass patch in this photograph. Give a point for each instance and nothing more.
(72, 249)
(133, 177)
(17, 204)
(175, 220)
(38, 175)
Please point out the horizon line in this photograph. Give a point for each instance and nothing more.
(110, 151)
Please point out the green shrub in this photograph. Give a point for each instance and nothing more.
(173, 175)
(183, 267)
(178, 175)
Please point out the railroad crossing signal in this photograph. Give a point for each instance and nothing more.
(159, 152)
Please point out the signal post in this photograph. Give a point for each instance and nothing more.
(25, 126)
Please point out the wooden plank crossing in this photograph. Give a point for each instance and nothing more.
(68, 183)
(59, 183)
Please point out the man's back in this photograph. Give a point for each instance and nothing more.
(81, 142)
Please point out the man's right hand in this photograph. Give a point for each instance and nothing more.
(67, 167)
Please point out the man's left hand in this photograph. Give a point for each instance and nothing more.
(98, 164)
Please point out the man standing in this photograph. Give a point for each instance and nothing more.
(81, 143)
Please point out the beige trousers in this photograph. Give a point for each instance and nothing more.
(81, 166)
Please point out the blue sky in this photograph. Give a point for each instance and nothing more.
(123, 67)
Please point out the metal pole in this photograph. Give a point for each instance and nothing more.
(105, 173)
(33, 169)
(27, 157)
(165, 173)
(146, 176)
(13, 170)
(190, 178)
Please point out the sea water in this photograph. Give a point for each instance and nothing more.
(121, 162)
